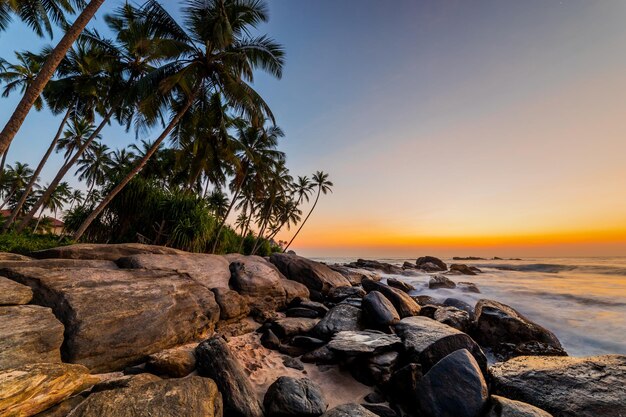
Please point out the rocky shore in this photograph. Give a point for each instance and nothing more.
(136, 330)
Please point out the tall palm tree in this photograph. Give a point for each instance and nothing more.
(94, 166)
(324, 186)
(215, 53)
(47, 70)
(37, 14)
(218, 203)
(57, 199)
(290, 214)
(75, 198)
(20, 75)
(20, 175)
(75, 136)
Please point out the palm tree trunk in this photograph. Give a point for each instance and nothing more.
(45, 74)
(155, 146)
(262, 229)
(305, 219)
(3, 163)
(39, 219)
(6, 200)
(33, 180)
(230, 207)
(64, 170)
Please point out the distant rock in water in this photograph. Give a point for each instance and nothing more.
(463, 269)
(385, 267)
(426, 262)
(440, 281)
(468, 258)
(401, 285)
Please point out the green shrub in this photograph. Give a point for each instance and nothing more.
(26, 243)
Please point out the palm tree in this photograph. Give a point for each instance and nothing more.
(94, 166)
(47, 70)
(320, 180)
(20, 75)
(290, 214)
(215, 53)
(38, 15)
(122, 159)
(19, 175)
(77, 133)
(218, 203)
(75, 198)
(57, 199)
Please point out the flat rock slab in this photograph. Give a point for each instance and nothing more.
(315, 275)
(115, 318)
(58, 264)
(30, 389)
(365, 341)
(189, 397)
(110, 252)
(13, 293)
(565, 386)
(208, 270)
(427, 341)
(8, 256)
(342, 317)
(29, 334)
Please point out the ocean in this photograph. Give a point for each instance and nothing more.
(581, 300)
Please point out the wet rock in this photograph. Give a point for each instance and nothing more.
(380, 410)
(29, 334)
(192, 397)
(462, 269)
(381, 366)
(12, 293)
(440, 281)
(453, 387)
(232, 305)
(110, 315)
(258, 281)
(564, 386)
(401, 285)
(288, 397)
(307, 342)
(341, 293)
(408, 265)
(403, 384)
(354, 302)
(365, 341)
(503, 407)
(404, 304)
(453, 317)
(354, 275)
(311, 305)
(293, 363)
(385, 267)
(424, 260)
(176, 362)
(429, 311)
(422, 300)
(461, 305)
(378, 312)
(293, 351)
(108, 251)
(320, 356)
(30, 389)
(497, 325)
(340, 318)
(315, 275)
(269, 340)
(349, 410)
(468, 287)
(374, 398)
(292, 326)
(427, 341)
(216, 361)
(302, 312)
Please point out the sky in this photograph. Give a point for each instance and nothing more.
(489, 128)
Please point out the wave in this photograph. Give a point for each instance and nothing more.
(587, 301)
(548, 268)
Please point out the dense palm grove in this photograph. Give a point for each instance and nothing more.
(205, 173)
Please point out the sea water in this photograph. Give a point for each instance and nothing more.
(581, 300)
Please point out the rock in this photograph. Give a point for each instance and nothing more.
(380, 410)
(108, 251)
(232, 305)
(503, 407)
(210, 271)
(12, 293)
(293, 363)
(315, 275)
(342, 317)
(461, 305)
(192, 397)
(378, 312)
(467, 258)
(29, 334)
(403, 384)
(59, 264)
(176, 362)
(110, 315)
(463, 269)
(427, 341)
(63, 408)
(429, 267)
(123, 381)
(380, 367)
(311, 305)
(294, 290)
(354, 302)
(341, 293)
(564, 386)
(468, 287)
(8, 256)
(408, 265)
(440, 281)
(320, 356)
(302, 312)
(497, 324)
(354, 275)
(454, 387)
(349, 410)
(258, 281)
(216, 361)
(387, 268)
(365, 341)
(423, 300)
(374, 398)
(439, 264)
(269, 340)
(288, 397)
(307, 342)
(29, 389)
(401, 285)
(429, 311)
(404, 304)
(292, 326)
(234, 328)
(453, 317)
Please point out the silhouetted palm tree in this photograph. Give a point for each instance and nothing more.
(94, 166)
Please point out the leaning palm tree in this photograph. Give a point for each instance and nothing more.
(324, 186)
(47, 70)
(57, 199)
(94, 166)
(20, 175)
(215, 53)
(75, 136)
(75, 198)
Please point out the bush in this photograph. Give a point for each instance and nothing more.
(26, 243)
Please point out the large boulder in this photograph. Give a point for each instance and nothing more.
(315, 275)
(339, 294)
(454, 317)
(440, 281)
(454, 387)
(258, 282)
(189, 397)
(503, 407)
(291, 397)
(426, 341)
(215, 360)
(365, 341)
(564, 386)
(294, 290)
(427, 262)
(354, 275)
(108, 251)
(292, 326)
(175, 362)
(115, 318)
(384, 267)
(208, 270)
(349, 410)
(12, 293)
(59, 264)
(499, 326)
(378, 312)
(342, 317)
(30, 389)
(232, 305)
(29, 334)
(401, 285)
(404, 304)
